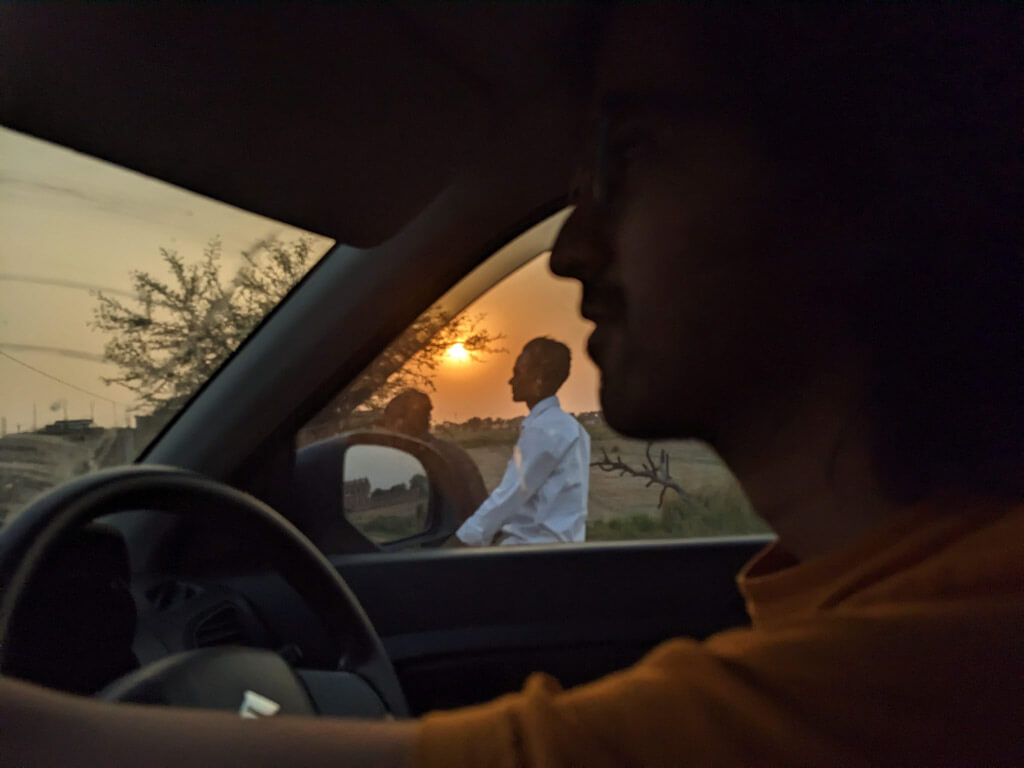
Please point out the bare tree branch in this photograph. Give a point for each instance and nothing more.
(410, 361)
(656, 473)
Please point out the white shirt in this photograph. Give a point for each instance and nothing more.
(542, 499)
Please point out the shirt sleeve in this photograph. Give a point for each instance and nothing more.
(481, 527)
(886, 685)
(672, 709)
(538, 452)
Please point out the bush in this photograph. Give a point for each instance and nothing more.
(630, 527)
(721, 511)
(389, 528)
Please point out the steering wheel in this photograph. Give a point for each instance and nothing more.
(252, 681)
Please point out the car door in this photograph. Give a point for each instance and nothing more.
(668, 527)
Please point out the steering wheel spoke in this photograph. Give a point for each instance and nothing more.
(249, 681)
(214, 678)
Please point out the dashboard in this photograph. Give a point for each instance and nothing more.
(87, 619)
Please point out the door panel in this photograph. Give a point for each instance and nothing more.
(464, 626)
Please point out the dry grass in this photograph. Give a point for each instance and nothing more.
(623, 507)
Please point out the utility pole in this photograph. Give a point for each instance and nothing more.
(92, 410)
(64, 402)
(3, 426)
(34, 424)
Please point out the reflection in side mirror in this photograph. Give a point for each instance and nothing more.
(386, 493)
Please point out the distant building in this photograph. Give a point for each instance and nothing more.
(328, 424)
(590, 418)
(356, 494)
(68, 427)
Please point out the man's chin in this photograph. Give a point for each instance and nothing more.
(643, 415)
(630, 384)
(631, 418)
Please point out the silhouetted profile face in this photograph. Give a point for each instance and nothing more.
(701, 309)
(540, 370)
(409, 413)
(526, 381)
(801, 207)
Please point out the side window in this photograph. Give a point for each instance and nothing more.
(453, 393)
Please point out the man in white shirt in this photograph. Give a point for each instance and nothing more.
(542, 499)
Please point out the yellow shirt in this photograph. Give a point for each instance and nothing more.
(907, 648)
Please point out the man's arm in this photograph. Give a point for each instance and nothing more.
(39, 727)
(886, 685)
(481, 527)
(537, 453)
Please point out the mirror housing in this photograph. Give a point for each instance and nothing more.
(319, 490)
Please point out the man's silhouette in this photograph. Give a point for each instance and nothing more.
(542, 498)
(409, 413)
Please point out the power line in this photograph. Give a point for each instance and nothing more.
(75, 353)
(61, 283)
(60, 381)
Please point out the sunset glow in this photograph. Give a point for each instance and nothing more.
(457, 353)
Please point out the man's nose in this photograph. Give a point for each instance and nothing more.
(580, 250)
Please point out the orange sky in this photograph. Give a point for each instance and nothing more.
(112, 221)
(69, 224)
(531, 302)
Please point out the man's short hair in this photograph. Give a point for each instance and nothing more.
(408, 401)
(551, 358)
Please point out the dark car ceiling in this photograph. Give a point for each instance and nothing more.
(346, 120)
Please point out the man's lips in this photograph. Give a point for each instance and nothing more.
(605, 306)
(602, 304)
(600, 344)
(591, 311)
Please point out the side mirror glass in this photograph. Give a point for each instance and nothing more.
(385, 493)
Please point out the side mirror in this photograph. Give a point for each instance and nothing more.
(374, 491)
(385, 493)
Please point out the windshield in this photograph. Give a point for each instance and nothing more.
(119, 297)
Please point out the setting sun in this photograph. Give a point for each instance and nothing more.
(457, 353)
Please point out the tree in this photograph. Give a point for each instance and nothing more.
(410, 361)
(180, 329)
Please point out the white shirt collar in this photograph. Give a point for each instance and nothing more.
(544, 405)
